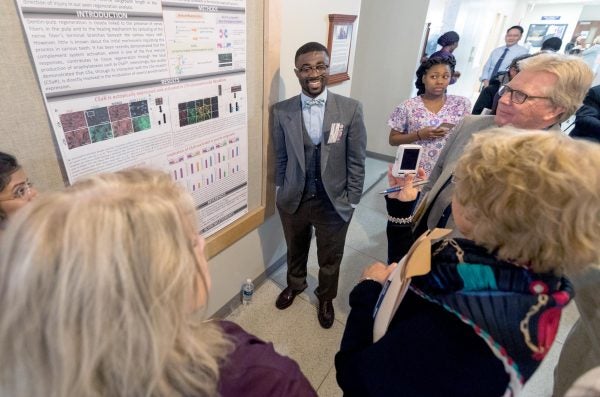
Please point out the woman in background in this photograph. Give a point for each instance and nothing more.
(100, 289)
(15, 189)
(449, 42)
(420, 120)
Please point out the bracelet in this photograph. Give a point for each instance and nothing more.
(419, 136)
(365, 279)
(400, 221)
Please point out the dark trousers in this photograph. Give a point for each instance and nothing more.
(330, 230)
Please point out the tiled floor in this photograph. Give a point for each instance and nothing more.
(296, 332)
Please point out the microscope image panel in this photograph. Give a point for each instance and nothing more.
(119, 112)
(122, 127)
(138, 108)
(141, 123)
(97, 116)
(101, 132)
(72, 121)
(77, 138)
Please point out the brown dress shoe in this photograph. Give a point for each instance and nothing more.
(286, 298)
(325, 313)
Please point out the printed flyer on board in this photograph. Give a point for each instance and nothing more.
(149, 83)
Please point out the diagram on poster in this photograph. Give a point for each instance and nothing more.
(149, 85)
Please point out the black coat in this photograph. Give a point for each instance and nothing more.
(427, 351)
(587, 118)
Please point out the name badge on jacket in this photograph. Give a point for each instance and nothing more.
(335, 133)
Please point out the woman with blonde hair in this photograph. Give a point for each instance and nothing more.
(100, 289)
(481, 321)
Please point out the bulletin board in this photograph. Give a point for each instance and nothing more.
(27, 128)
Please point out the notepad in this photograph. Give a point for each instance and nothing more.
(416, 262)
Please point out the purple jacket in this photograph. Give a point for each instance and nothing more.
(254, 369)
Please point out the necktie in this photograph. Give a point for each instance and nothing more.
(497, 65)
(314, 102)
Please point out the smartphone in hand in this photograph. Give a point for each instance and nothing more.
(448, 126)
(407, 160)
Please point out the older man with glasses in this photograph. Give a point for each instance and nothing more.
(548, 89)
(546, 92)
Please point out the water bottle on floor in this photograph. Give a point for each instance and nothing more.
(247, 292)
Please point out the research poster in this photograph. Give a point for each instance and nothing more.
(148, 83)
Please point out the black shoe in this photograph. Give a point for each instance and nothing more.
(286, 298)
(325, 313)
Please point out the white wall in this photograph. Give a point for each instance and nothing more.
(569, 14)
(247, 258)
(304, 21)
(590, 13)
(387, 51)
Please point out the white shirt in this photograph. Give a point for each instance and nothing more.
(513, 52)
(313, 116)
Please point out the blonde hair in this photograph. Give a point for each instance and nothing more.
(95, 290)
(534, 196)
(574, 78)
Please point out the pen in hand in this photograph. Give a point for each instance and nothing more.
(398, 188)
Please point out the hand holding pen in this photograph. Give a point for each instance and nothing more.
(403, 187)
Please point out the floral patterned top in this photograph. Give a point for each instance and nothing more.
(412, 115)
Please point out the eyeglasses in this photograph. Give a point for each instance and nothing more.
(305, 70)
(517, 96)
(21, 192)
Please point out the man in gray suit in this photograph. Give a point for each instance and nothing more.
(548, 89)
(320, 142)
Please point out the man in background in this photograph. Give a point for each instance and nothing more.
(551, 44)
(501, 57)
(587, 118)
(320, 142)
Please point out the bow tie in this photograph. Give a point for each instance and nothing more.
(314, 102)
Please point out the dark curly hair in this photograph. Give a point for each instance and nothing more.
(425, 66)
(8, 166)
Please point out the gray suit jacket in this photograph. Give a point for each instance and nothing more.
(444, 168)
(342, 163)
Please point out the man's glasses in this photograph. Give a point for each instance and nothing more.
(517, 96)
(305, 70)
(20, 192)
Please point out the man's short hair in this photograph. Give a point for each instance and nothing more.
(574, 78)
(311, 47)
(519, 28)
(532, 197)
(552, 43)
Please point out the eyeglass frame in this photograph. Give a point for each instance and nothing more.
(16, 195)
(306, 69)
(506, 88)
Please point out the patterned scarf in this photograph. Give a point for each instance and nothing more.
(516, 311)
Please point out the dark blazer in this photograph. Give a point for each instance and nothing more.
(587, 118)
(342, 163)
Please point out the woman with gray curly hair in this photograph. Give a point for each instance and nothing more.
(481, 321)
(101, 286)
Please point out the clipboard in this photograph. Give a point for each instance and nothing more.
(416, 262)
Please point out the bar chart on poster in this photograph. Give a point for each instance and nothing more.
(149, 83)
